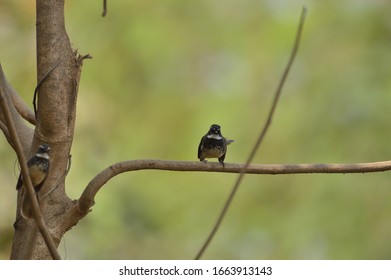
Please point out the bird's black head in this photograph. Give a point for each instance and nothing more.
(43, 150)
(214, 129)
(214, 132)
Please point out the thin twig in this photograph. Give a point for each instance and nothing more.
(104, 8)
(259, 141)
(39, 85)
(5, 104)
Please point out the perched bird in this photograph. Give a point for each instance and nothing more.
(38, 166)
(213, 145)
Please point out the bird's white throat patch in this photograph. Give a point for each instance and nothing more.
(43, 155)
(214, 136)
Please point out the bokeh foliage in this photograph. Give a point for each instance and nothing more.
(163, 71)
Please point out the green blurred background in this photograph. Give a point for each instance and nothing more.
(163, 71)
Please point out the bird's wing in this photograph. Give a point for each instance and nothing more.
(200, 147)
(20, 182)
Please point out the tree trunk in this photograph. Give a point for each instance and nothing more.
(55, 121)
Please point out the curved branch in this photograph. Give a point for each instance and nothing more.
(24, 132)
(20, 105)
(86, 200)
(40, 83)
(4, 128)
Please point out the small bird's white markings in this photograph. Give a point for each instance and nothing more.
(214, 136)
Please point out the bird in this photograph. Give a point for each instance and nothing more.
(213, 145)
(38, 166)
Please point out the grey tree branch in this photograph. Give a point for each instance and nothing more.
(86, 200)
(5, 105)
